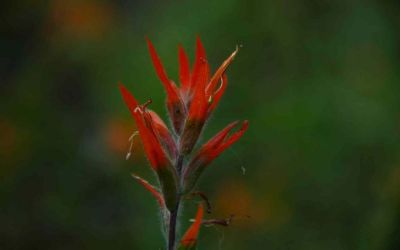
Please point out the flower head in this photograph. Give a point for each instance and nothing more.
(191, 105)
(169, 152)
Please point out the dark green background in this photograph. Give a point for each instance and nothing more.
(318, 80)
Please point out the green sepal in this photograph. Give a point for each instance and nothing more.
(169, 186)
(191, 175)
(190, 135)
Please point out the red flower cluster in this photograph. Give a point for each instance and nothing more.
(189, 108)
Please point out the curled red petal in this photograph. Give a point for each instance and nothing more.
(151, 189)
(189, 239)
(220, 71)
(215, 97)
(184, 69)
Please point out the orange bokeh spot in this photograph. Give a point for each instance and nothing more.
(8, 139)
(116, 135)
(249, 208)
(81, 18)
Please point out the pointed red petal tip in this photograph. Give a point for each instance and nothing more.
(220, 71)
(151, 189)
(184, 69)
(200, 76)
(128, 97)
(216, 96)
(162, 75)
(200, 67)
(213, 92)
(157, 63)
(190, 237)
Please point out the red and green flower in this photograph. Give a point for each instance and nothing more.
(169, 152)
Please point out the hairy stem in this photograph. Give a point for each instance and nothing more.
(172, 227)
(173, 218)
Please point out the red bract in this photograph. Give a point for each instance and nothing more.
(175, 105)
(151, 189)
(189, 107)
(151, 145)
(184, 71)
(162, 132)
(212, 149)
(189, 239)
(165, 171)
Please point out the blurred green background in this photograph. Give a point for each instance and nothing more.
(318, 80)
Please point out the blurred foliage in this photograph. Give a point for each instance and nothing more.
(319, 81)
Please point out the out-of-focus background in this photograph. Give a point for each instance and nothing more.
(319, 167)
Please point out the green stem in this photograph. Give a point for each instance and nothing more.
(172, 227)
(173, 218)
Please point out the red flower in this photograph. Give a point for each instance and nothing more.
(191, 105)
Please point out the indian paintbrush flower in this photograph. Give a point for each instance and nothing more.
(169, 152)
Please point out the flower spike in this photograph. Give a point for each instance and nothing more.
(189, 239)
(189, 106)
